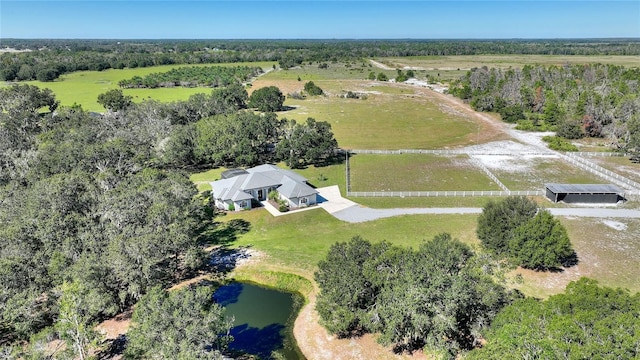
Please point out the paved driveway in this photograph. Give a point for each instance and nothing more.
(330, 199)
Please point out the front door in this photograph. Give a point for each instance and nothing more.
(261, 195)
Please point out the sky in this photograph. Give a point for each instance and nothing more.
(325, 19)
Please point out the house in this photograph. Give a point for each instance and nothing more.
(584, 193)
(238, 188)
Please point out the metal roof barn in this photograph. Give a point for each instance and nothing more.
(584, 193)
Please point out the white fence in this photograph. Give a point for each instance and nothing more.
(489, 174)
(600, 171)
(600, 153)
(442, 193)
(444, 152)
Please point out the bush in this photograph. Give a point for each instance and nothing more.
(382, 77)
(283, 206)
(559, 144)
(232, 207)
(570, 129)
(312, 89)
(511, 114)
(273, 195)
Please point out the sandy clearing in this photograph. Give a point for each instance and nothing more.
(317, 344)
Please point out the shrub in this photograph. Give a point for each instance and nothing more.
(312, 89)
(232, 207)
(283, 206)
(559, 144)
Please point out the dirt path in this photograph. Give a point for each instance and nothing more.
(317, 344)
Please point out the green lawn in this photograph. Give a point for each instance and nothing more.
(416, 172)
(299, 241)
(83, 87)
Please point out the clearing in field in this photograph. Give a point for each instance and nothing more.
(417, 172)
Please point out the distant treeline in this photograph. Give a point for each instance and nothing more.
(193, 76)
(49, 58)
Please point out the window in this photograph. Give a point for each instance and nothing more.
(303, 201)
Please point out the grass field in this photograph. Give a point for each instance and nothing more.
(298, 241)
(83, 87)
(465, 62)
(447, 68)
(335, 71)
(416, 172)
(385, 120)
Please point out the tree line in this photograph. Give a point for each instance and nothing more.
(50, 58)
(95, 209)
(576, 101)
(193, 76)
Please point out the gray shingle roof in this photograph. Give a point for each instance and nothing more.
(288, 183)
(293, 189)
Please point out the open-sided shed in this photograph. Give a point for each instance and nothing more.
(584, 193)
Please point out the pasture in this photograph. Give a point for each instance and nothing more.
(417, 172)
(608, 251)
(83, 87)
(393, 119)
(532, 172)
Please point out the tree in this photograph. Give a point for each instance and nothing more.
(181, 324)
(308, 143)
(267, 99)
(382, 77)
(312, 89)
(438, 296)
(74, 324)
(511, 114)
(347, 295)
(500, 218)
(585, 322)
(114, 100)
(541, 243)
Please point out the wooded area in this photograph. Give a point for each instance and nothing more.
(50, 58)
(96, 205)
(209, 76)
(440, 296)
(577, 101)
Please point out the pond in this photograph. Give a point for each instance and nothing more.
(263, 319)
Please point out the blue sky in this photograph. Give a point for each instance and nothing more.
(307, 19)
